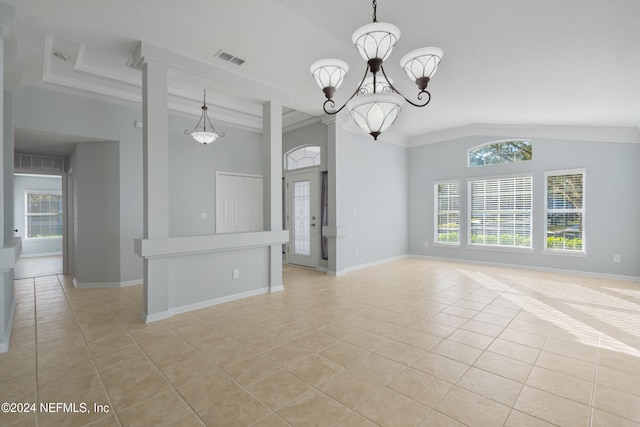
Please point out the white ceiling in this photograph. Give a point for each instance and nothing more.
(518, 62)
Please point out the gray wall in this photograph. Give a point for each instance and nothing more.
(94, 119)
(374, 184)
(118, 162)
(21, 184)
(612, 201)
(97, 230)
(192, 172)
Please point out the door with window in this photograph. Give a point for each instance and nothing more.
(303, 221)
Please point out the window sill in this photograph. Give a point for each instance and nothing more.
(446, 245)
(564, 253)
(41, 239)
(500, 249)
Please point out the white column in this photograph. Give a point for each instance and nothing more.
(156, 186)
(272, 185)
(9, 246)
(336, 231)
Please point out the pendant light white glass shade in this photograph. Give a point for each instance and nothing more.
(382, 85)
(376, 40)
(422, 62)
(329, 72)
(375, 112)
(204, 137)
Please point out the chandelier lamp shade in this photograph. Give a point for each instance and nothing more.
(376, 103)
(204, 132)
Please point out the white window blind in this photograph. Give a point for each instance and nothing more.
(500, 212)
(447, 212)
(565, 211)
(43, 214)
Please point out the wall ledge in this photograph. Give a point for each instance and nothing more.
(189, 245)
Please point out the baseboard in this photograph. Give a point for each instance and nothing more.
(106, 284)
(529, 267)
(277, 288)
(374, 263)
(4, 344)
(149, 318)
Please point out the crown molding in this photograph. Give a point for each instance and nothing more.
(573, 133)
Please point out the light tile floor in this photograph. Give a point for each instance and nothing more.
(409, 343)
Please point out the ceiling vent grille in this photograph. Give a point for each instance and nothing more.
(225, 56)
(29, 163)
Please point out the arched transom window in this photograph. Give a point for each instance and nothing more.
(303, 157)
(500, 152)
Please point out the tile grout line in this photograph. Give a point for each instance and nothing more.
(86, 343)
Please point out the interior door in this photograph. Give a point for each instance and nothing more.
(303, 220)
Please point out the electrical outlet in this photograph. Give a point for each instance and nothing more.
(357, 252)
(203, 215)
(426, 244)
(235, 274)
(617, 258)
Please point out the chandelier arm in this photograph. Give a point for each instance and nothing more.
(221, 134)
(189, 132)
(420, 94)
(330, 101)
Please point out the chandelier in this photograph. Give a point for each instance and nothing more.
(376, 103)
(201, 133)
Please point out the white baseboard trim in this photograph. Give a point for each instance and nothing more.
(148, 318)
(336, 273)
(528, 267)
(4, 344)
(107, 284)
(278, 288)
(374, 263)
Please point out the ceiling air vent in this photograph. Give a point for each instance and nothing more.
(229, 58)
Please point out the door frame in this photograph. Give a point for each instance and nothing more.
(314, 174)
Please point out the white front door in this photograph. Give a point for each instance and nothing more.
(303, 220)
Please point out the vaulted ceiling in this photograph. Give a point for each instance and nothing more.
(543, 62)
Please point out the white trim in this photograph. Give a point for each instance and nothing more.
(208, 303)
(4, 344)
(527, 267)
(148, 318)
(373, 264)
(571, 133)
(106, 284)
(277, 288)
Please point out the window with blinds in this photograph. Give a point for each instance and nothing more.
(500, 212)
(43, 214)
(564, 226)
(447, 212)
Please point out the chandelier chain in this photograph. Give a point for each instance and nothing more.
(375, 6)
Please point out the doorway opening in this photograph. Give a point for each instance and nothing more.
(39, 193)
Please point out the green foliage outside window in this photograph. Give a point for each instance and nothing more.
(501, 152)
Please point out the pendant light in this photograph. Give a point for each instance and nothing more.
(204, 132)
(376, 103)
